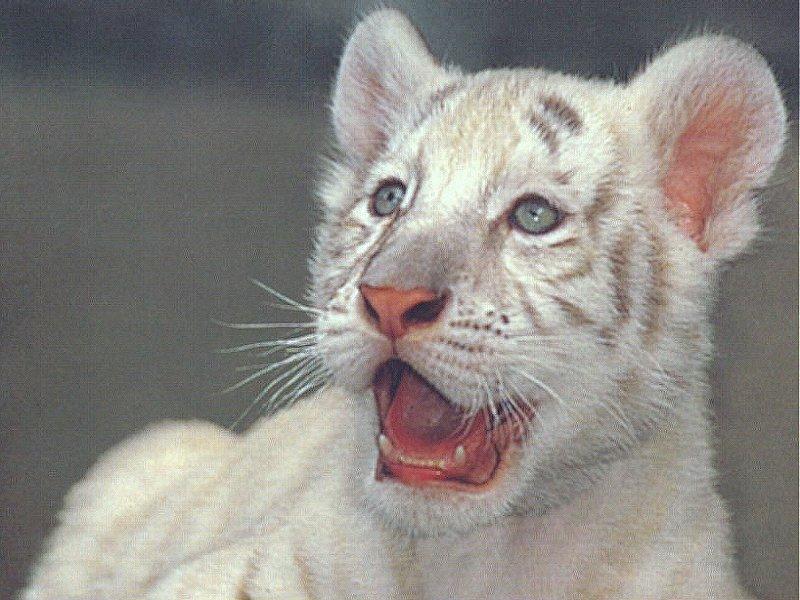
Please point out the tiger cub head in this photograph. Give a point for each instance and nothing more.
(515, 266)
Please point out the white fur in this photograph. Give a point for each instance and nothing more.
(602, 323)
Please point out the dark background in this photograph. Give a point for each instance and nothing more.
(153, 156)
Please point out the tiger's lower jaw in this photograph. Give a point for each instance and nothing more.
(434, 506)
(426, 441)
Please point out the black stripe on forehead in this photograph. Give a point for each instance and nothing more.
(546, 132)
(438, 98)
(553, 119)
(561, 111)
(435, 102)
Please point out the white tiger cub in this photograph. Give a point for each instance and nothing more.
(512, 283)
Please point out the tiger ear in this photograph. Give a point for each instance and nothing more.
(714, 111)
(385, 65)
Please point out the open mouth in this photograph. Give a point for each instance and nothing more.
(426, 440)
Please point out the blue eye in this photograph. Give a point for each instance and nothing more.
(534, 214)
(387, 198)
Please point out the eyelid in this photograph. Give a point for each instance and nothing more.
(551, 198)
(383, 171)
(553, 201)
(383, 182)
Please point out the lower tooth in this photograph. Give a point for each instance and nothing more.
(384, 444)
(460, 456)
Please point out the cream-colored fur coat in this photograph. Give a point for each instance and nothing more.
(590, 334)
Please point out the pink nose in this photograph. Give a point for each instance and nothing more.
(395, 312)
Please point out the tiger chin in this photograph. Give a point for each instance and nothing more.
(511, 289)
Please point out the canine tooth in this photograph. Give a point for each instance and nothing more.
(384, 444)
(460, 455)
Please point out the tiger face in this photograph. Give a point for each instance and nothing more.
(514, 267)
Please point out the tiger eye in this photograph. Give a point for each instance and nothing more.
(535, 215)
(387, 198)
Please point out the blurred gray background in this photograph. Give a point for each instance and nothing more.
(153, 156)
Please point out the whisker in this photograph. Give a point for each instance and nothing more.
(270, 406)
(314, 382)
(527, 402)
(287, 349)
(304, 340)
(292, 361)
(286, 299)
(541, 385)
(264, 325)
(310, 384)
(467, 419)
(280, 306)
(264, 392)
(243, 368)
(262, 372)
(490, 401)
(615, 410)
(514, 412)
(550, 365)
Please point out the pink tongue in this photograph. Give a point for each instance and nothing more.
(421, 421)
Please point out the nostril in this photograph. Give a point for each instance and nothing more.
(425, 312)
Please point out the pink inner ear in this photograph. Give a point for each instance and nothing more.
(699, 170)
